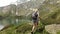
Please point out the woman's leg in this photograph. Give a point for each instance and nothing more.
(33, 28)
(35, 25)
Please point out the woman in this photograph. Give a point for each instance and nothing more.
(35, 17)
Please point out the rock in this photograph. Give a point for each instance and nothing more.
(53, 28)
(1, 27)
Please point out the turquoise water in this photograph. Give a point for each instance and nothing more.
(15, 21)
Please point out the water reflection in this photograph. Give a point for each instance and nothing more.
(9, 21)
(14, 21)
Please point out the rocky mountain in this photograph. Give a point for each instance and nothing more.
(23, 7)
(7, 10)
(49, 9)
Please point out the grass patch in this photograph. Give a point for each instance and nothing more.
(23, 28)
(58, 32)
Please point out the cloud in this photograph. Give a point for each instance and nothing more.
(6, 2)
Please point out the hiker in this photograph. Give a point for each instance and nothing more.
(35, 17)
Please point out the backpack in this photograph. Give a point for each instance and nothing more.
(34, 15)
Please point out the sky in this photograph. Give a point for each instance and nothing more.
(6, 2)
